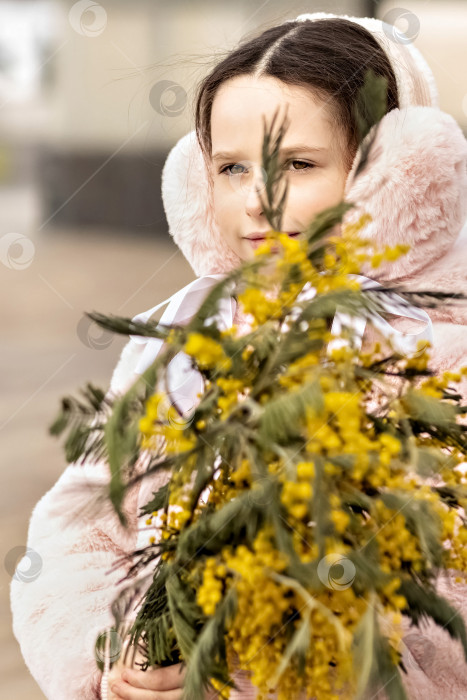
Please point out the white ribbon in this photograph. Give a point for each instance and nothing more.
(184, 383)
(404, 343)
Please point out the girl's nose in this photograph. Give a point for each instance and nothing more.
(256, 188)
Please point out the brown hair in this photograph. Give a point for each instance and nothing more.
(328, 56)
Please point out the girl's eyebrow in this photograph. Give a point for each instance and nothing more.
(221, 155)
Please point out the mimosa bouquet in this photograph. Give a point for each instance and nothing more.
(314, 493)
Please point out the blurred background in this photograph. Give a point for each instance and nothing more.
(92, 98)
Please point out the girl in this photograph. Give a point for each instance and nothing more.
(313, 67)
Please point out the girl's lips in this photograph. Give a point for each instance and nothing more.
(256, 242)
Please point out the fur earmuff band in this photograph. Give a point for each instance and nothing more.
(416, 84)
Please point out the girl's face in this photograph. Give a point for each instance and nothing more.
(312, 157)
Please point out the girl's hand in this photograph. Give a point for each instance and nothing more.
(154, 684)
(164, 683)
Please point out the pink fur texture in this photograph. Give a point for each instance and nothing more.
(58, 615)
(189, 213)
(415, 188)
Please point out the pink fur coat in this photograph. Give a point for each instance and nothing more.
(415, 189)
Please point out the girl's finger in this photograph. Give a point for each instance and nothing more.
(163, 679)
(128, 692)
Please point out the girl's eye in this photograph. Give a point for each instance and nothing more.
(226, 168)
(233, 165)
(302, 162)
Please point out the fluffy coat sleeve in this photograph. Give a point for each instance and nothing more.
(59, 612)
